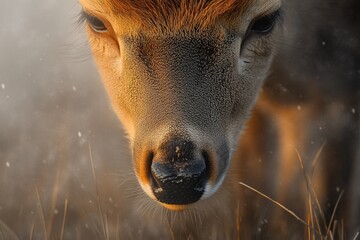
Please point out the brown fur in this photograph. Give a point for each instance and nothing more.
(158, 89)
(177, 14)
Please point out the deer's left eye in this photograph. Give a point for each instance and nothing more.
(266, 23)
(95, 23)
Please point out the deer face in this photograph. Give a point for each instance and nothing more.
(183, 81)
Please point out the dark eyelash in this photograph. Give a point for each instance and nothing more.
(277, 15)
(83, 17)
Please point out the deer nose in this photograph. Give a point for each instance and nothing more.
(178, 173)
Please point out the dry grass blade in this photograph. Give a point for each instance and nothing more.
(316, 159)
(2, 235)
(310, 188)
(54, 197)
(318, 224)
(170, 229)
(311, 219)
(6, 233)
(107, 227)
(280, 205)
(63, 221)
(342, 230)
(238, 221)
(103, 223)
(308, 229)
(333, 214)
(334, 227)
(32, 230)
(42, 214)
(356, 236)
(117, 231)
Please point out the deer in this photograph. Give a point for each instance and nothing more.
(205, 92)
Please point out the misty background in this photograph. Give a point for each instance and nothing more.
(54, 115)
(52, 108)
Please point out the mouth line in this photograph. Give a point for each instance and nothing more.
(174, 207)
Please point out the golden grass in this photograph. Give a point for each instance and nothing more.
(315, 224)
(98, 199)
(313, 227)
(276, 203)
(64, 219)
(42, 215)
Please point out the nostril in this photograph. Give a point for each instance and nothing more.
(200, 186)
(206, 173)
(208, 168)
(155, 181)
(149, 171)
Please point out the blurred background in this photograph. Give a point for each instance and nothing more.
(63, 154)
(52, 109)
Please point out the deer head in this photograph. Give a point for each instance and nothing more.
(182, 76)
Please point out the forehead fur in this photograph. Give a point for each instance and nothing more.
(176, 14)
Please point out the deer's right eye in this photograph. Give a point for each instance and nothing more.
(96, 24)
(266, 23)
